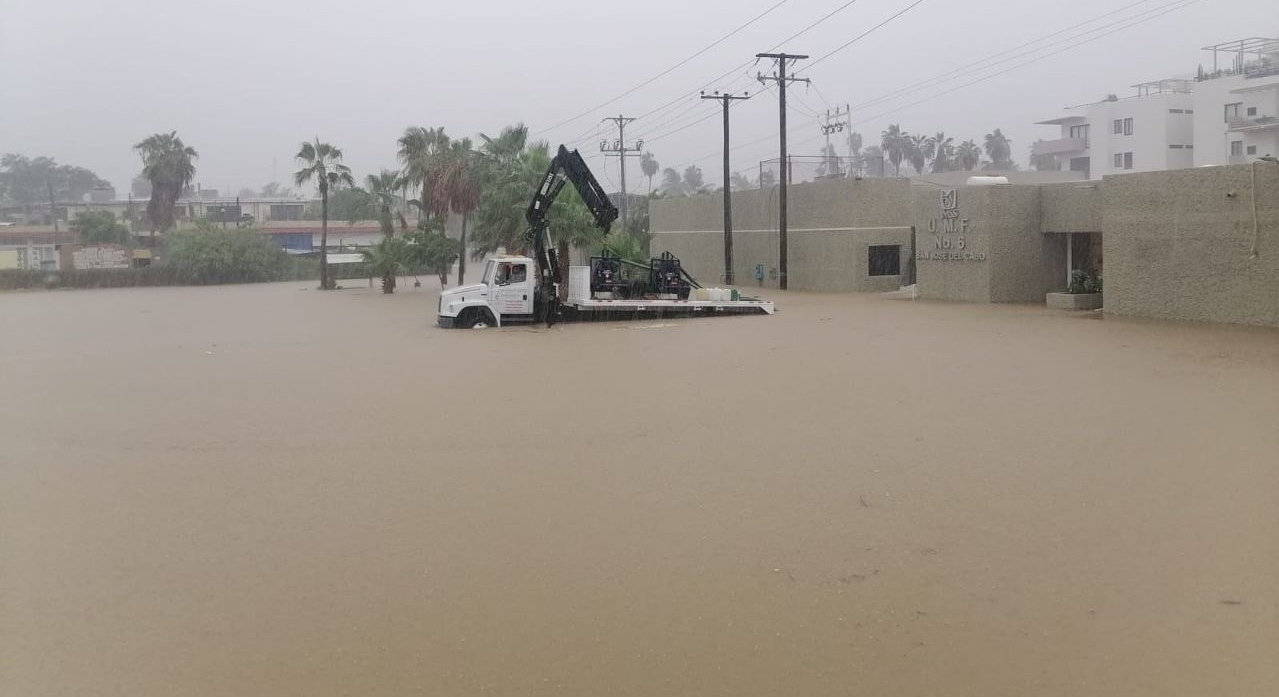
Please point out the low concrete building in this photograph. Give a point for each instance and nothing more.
(1179, 244)
(844, 235)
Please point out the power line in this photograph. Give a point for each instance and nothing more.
(976, 63)
(734, 69)
(1170, 7)
(1119, 26)
(863, 35)
(666, 72)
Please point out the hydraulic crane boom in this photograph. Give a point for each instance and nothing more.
(567, 166)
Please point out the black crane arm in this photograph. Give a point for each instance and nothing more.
(566, 167)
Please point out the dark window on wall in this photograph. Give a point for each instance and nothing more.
(1232, 110)
(1236, 147)
(1127, 127)
(1252, 111)
(1119, 160)
(1127, 160)
(885, 260)
(1252, 150)
(1119, 126)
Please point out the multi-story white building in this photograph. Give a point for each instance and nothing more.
(1237, 103)
(1152, 130)
(1223, 116)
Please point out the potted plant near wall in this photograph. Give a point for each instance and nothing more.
(1084, 292)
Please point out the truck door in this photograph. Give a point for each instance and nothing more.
(513, 288)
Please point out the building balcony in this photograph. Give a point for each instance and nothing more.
(1061, 146)
(1257, 123)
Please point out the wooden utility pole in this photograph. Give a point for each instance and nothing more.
(619, 148)
(727, 99)
(782, 81)
(53, 208)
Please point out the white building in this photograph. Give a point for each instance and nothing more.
(1151, 130)
(1237, 103)
(1223, 116)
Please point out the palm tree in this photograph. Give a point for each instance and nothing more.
(508, 169)
(460, 188)
(383, 189)
(968, 155)
(322, 163)
(169, 164)
(943, 152)
(423, 152)
(387, 259)
(998, 149)
(672, 184)
(648, 164)
(918, 148)
(893, 143)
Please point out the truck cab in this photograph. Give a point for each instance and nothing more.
(505, 295)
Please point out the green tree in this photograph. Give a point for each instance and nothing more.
(625, 246)
(672, 185)
(943, 152)
(433, 250)
(26, 181)
(208, 254)
(99, 227)
(423, 153)
(649, 166)
(461, 188)
(968, 155)
(737, 182)
(322, 164)
(508, 170)
(917, 149)
(388, 259)
(894, 144)
(693, 182)
(767, 179)
(383, 195)
(169, 164)
(999, 149)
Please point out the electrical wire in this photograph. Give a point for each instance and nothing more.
(671, 69)
(809, 66)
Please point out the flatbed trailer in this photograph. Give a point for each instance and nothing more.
(506, 296)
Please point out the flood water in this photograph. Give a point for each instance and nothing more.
(268, 490)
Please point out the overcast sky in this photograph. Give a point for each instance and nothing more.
(243, 81)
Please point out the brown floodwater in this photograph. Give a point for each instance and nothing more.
(268, 490)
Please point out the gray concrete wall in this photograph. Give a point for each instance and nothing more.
(1177, 245)
(831, 225)
(1074, 207)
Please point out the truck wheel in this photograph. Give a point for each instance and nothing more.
(477, 319)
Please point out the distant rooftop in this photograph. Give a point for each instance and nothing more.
(1253, 57)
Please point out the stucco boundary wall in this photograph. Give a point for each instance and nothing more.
(1179, 244)
(822, 260)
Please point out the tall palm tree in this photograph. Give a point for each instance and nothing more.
(943, 152)
(917, 151)
(169, 164)
(968, 155)
(998, 149)
(322, 163)
(648, 165)
(383, 188)
(423, 152)
(460, 186)
(893, 143)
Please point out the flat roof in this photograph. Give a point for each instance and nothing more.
(1061, 121)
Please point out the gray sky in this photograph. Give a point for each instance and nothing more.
(243, 81)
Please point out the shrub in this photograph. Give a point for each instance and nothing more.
(209, 255)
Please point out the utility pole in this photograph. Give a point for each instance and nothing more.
(53, 208)
(836, 122)
(619, 148)
(727, 99)
(782, 81)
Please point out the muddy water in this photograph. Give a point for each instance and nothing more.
(265, 490)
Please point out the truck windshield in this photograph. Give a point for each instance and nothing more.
(488, 273)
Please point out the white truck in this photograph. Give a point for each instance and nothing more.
(528, 289)
(506, 296)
